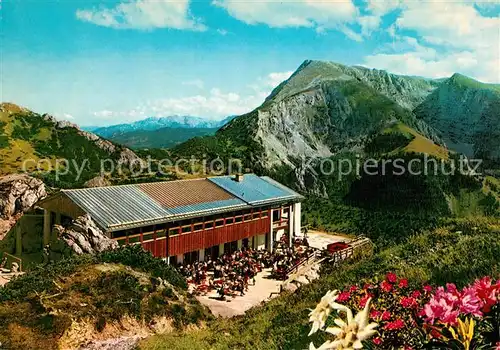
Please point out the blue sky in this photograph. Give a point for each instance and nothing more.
(106, 62)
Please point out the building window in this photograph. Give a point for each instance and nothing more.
(147, 229)
(229, 221)
(173, 231)
(198, 226)
(219, 223)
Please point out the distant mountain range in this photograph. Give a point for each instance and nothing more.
(155, 123)
(161, 138)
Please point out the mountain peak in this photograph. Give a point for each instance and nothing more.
(464, 81)
(11, 108)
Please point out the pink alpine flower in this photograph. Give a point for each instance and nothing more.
(470, 303)
(386, 316)
(403, 283)
(408, 302)
(441, 308)
(395, 325)
(386, 286)
(374, 314)
(487, 292)
(364, 299)
(416, 294)
(391, 277)
(343, 297)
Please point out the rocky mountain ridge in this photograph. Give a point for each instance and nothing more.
(42, 140)
(326, 108)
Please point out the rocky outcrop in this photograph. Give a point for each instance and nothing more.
(84, 237)
(98, 181)
(18, 193)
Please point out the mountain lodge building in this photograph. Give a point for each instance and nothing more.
(185, 220)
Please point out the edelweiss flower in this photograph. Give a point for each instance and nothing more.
(320, 314)
(350, 334)
(328, 345)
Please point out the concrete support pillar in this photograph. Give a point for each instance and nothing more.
(221, 249)
(19, 238)
(297, 217)
(239, 244)
(291, 227)
(58, 219)
(201, 255)
(47, 226)
(270, 240)
(180, 259)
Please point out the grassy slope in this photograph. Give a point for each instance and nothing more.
(37, 310)
(13, 151)
(27, 136)
(435, 256)
(418, 143)
(467, 82)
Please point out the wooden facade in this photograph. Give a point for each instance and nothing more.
(179, 238)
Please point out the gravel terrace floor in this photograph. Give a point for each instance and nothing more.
(263, 286)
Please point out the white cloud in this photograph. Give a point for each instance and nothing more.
(196, 82)
(382, 7)
(369, 24)
(274, 79)
(450, 36)
(143, 14)
(215, 103)
(63, 116)
(318, 14)
(454, 24)
(222, 32)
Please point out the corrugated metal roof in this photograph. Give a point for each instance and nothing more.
(283, 187)
(172, 194)
(254, 189)
(121, 207)
(117, 205)
(210, 207)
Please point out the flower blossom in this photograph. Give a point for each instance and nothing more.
(350, 333)
(395, 325)
(386, 286)
(408, 302)
(320, 314)
(391, 277)
(403, 283)
(343, 297)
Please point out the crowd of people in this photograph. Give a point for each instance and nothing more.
(231, 274)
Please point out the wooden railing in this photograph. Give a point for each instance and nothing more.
(346, 253)
(296, 267)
